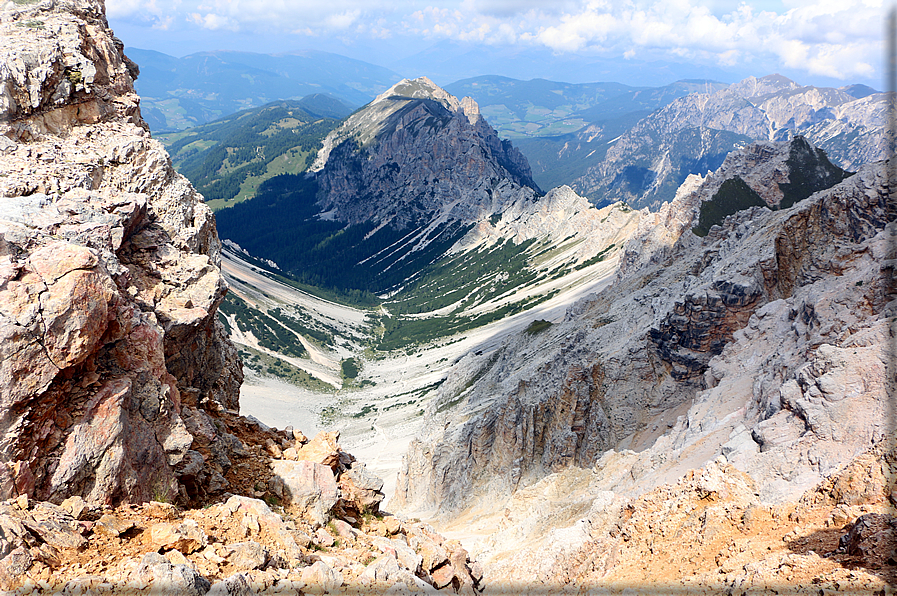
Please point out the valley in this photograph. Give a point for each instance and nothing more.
(670, 372)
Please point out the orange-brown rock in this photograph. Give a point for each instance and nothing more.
(109, 279)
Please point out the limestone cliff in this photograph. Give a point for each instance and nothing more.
(110, 353)
(764, 341)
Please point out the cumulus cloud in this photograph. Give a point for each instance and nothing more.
(839, 38)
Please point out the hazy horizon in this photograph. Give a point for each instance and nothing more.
(636, 43)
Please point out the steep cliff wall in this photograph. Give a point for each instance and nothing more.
(763, 341)
(109, 281)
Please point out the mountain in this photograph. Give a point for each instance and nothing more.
(737, 371)
(645, 165)
(179, 93)
(414, 205)
(229, 158)
(563, 128)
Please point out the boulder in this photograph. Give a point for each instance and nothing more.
(309, 488)
(236, 585)
(174, 580)
(112, 525)
(360, 490)
(319, 578)
(324, 449)
(382, 570)
(247, 555)
(186, 537)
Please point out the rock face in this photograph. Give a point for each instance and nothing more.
(693, 134)
(414, 154)
(765, 341)
(109, 279)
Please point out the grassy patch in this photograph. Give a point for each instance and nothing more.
(537, 326)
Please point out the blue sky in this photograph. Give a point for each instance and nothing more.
(831, 42)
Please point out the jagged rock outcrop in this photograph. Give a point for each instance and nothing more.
(693, 134)
(416, 154)
(765, 341)
(109, 278)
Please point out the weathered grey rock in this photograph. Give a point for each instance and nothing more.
(164, 577)
(319, 578)
(360, 490)
(246, 556)
(235, 585)
(382, 570)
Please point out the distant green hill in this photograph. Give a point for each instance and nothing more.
(179, 93)
(228, 159)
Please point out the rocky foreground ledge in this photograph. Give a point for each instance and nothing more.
(318, 529)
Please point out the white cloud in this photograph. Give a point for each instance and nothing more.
(840, 38)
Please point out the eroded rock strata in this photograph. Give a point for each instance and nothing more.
(764, 342)
(110, 279)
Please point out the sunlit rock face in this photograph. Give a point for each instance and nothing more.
(764, 341)
(109, 278)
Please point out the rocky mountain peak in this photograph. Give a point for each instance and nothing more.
(756, 87)
(414, 154)
(419, 88)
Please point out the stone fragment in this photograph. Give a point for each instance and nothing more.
(76, 506)
(14, 565)
(236, 585)
(343, 530)
(432, 554)
(56, 534)
(112, 525)
(176, 557)
(247, 556)
(309, 487)
(324, 449)
(443, 575)
(319, 578)
(392, 524)
(186, 537)
(323, 537)
(158, 510)
(165, 578)
(360, 490)
(381, 570)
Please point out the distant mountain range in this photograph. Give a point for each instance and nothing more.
(179, 93)
(693, 134)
